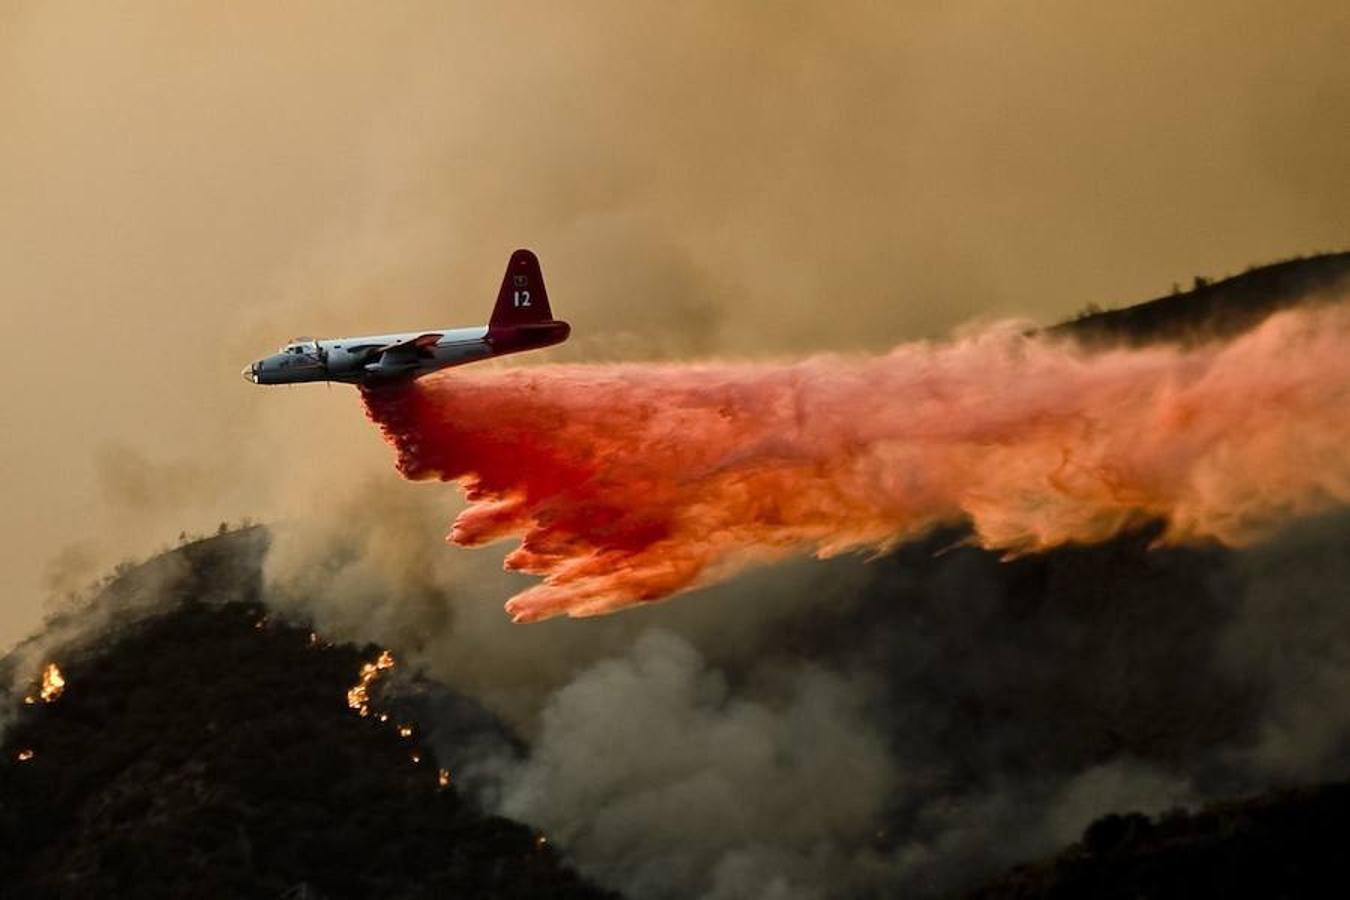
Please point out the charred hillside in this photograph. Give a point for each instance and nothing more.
(201, 750)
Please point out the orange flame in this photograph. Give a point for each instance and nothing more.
(53, 684)
(24, 755)
(358, 695)
(629, 483)
(442, 778)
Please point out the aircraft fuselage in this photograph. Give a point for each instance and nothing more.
(521, 320)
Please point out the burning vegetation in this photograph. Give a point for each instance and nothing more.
(358, 695)
(53, 683)
(53, 686)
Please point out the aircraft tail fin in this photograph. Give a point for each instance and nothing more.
(522, 299)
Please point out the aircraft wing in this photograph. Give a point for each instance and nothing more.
(401, 351)
(412, 345)
(400, 356)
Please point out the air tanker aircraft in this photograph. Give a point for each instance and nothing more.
(520, 321)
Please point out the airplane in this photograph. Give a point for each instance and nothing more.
(520, 321)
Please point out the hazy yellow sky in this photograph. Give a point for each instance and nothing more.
(183, 186)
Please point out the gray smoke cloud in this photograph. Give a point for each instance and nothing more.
(1290, 643)
(686, 781)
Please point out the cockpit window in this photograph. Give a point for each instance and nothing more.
(301, 345)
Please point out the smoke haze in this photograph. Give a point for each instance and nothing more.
(187, 186)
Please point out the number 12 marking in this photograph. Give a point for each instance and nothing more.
(522, 298)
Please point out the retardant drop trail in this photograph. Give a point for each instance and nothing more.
(629, 483)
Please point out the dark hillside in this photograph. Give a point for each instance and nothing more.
(1217, 309)
(1286, 844)
(203, 751)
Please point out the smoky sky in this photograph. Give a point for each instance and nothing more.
(186, 186)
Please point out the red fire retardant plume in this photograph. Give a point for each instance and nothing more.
(629, 483)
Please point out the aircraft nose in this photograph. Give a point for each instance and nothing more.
(250, 373)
